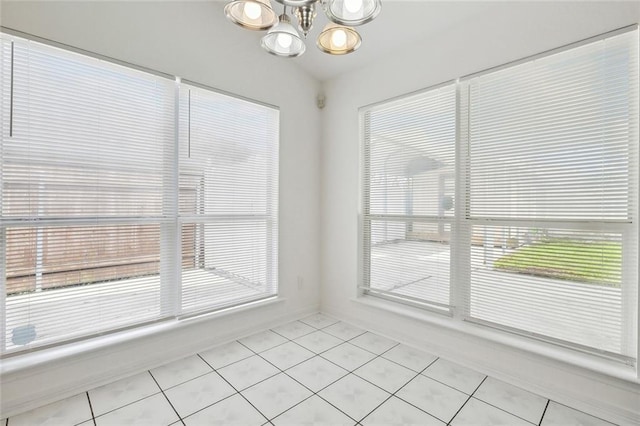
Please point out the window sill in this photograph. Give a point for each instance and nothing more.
(27, 360)
(568, 356)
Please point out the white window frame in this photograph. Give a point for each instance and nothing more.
(365, 218)
(170, 223)
(460, 284)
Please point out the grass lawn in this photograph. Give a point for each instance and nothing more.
(583, 261)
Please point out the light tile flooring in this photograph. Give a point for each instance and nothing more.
(316, 371)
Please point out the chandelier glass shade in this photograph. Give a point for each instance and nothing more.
(254, 15)
(282, 39)
(338, 40)
(352, 12)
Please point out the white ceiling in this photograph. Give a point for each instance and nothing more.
(113, 28)
(399, 23)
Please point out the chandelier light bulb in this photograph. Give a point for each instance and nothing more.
(285, 40)
(350, 13)
(252, 10)
(339, 38)
(353, 5)
(256, 15)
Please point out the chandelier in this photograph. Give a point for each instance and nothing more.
(282, 39)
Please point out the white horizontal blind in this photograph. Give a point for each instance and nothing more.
(553, 182)
(409, 183)
(228, 200)
(85, 165)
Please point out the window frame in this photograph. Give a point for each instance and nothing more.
(460, 282)
(365, 217)
(170, 221)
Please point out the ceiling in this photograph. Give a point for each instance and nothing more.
(399, 23)
(418, 27)
(402, 25)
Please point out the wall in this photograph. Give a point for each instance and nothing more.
(504, 32)
(191, 40)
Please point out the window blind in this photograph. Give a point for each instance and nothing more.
(228, 199)
(409, 183)
(85, 153)
(528, 222)
(552, 172)
(126, 197)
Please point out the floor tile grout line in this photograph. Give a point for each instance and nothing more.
(167, 398)
(544, 411)
(181, 383)
(502, 409)
(237, 392)
(336, 407)
(319, 313)
(319, 396)
(580, 411)
(319, 328)
(467, 400)
(297, 337)
(421, 371)
(397, 390)
(133, 402)
(318, 353)
(93, 416)
(394, 394)
(447, 384)
(234, 388)
(264, 350)
(494, 406)
(226, 365)
(213, 403)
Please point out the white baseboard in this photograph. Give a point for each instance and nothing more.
(24, 387)
(610, 398)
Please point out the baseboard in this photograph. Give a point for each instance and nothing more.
(29, 387)
(609, 398)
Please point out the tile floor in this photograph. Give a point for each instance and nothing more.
(316, 371)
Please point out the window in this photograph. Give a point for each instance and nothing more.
(545, 239)
(97, 207)
(409, 171)
(228, 201)
(552, 154)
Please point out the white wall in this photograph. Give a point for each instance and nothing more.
(191, 40)
(505, 32)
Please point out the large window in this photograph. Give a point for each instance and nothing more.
(545, 231)
(103, 202)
